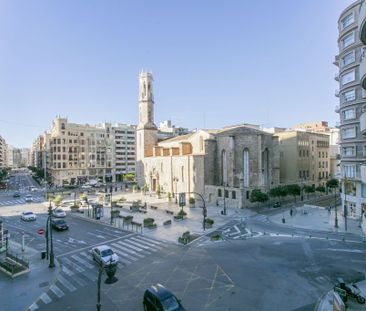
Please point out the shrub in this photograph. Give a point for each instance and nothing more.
(169, 196)
(182, 213)
(209, 221)
(192, 201)
(148, 222)
(167, 222)
(122, 199)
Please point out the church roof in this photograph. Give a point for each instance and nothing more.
(177, 138)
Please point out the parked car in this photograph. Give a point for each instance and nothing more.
(16, 195)
(32, 188)
(59, 224)
(28, 216)
(58, 213)
(159, 298)
(277, 204)
(86, 186)
(104, 255)
(28, 198)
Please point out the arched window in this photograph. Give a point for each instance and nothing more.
(246, 171)
(265, 166)
(224, 167)
(201, 143)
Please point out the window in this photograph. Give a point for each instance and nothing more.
(349, 114)
(224, 167)
(348, 77)
(348, 40)
(182, 173)
(349, 170)
(363, 93)
(349, 132)
(300, 153)
(349, 151)
(348, 20)
(226, 193)
(348, 58)
(300, 175)
(246, 167)
(219, 193)
(233, 195)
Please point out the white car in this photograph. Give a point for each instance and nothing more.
(28, 216)
(28, 198)
(86, 186)
(59, 213)
(104, 255)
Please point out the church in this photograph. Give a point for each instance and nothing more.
(222, 165)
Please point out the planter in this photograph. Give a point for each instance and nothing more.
(167, 222)
(115, 214)
(178, 218)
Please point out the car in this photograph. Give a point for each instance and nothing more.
(104, 255)
(32, 188)
(86, 186)
(16, 195)
(159, 298)
(58, 213)
(277, 204)
(28, 198)
(59, 224)
(28, 216)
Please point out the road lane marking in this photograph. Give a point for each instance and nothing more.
(45, 298)
(66, 283)
(58, 292)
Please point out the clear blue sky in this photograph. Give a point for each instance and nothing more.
(215, 62)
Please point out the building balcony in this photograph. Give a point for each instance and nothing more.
(336, 77)
(363, 173)
(336, 109)
(363, 123)
(362, 23)
(336, 93)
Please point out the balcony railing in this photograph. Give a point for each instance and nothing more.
(362, 70)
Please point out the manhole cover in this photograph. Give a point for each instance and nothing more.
(43, 284)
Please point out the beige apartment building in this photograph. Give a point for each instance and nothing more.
(304, 157)
(81, 152)
(3, 153)
(335, 150)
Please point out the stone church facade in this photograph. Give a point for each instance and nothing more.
(223, 165)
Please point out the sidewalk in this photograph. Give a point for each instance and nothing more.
(22, 291)
(193, 222)
(316, 218)
(326, 303)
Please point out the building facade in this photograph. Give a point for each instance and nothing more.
(351, 64)
(222, 165)
(304, 157)
(3, 153)
(80, 152)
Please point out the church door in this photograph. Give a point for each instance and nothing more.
(154, 184)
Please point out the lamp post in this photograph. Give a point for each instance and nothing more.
(111, 190)
(345, 201)
(335, 208)
(110, 270)
(49, 229)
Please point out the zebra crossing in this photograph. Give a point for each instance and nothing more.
(18, 201)
(78, 269)
(262, 218)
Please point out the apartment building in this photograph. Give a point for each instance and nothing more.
(3, 153)
(351, 75)
(80, 152)
(335, 151)
(304, 157)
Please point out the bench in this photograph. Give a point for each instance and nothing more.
(169, 212)
(153, 207)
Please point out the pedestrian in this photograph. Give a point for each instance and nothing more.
(291, 212)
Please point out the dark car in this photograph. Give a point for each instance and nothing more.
(59, 224)
(159, 298)
(277, 204)
(16, 195)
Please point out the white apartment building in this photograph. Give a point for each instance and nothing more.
(81, 152)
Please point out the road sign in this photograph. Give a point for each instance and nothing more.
(182, 199)
(40, 231)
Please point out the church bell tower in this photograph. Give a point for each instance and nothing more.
(146, 133)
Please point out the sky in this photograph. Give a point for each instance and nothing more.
(215, 63)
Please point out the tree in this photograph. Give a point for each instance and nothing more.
(58, 200)
(293, 190)
(309, 189)
(258, 196)
(320, 189)
(158, 191)
(278, 192)
(332, 183)
(129, 177)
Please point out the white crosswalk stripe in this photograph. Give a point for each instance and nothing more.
(79, 269)
(58, 292)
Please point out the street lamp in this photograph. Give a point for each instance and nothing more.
(49, 229)
(345, 201)
(111, 190)
(335, 208)
(110, 270)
